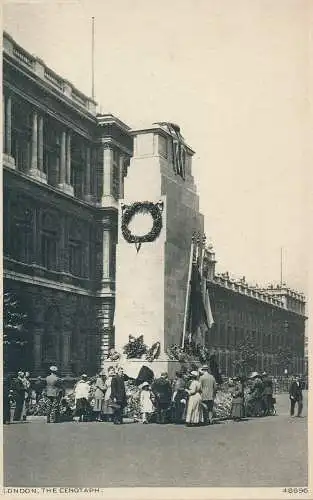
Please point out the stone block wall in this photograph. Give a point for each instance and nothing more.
(60, 328)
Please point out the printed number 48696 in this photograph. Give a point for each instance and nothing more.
(295, 490)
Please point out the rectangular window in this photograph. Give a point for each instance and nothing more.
(21, 248)
(49, 250)
(77, 179)
(75, 258)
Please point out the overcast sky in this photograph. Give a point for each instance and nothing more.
(233, 75)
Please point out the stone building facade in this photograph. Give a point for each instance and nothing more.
(272, 318)
(63, 173)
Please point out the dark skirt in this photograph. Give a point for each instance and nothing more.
(237, 408)
(82, 405)
(178, 408)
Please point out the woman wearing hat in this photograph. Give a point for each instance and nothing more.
(237, 408)
(178, 399)
(255, 404)
(194, 414)
(99, 395)
(107, 408)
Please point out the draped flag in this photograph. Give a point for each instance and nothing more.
(200, 307)
(207, 305)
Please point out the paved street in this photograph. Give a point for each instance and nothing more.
(260, 452)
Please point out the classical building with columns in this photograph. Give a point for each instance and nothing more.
(63, 173)
(272, 319)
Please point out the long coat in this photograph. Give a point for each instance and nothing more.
(162, 390)
(267, 386)
(99, 388)
(118, 391)
(208, 386)
(194, 408)
(237, 408)
(295, 391)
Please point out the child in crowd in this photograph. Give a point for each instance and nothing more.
(12, 405)
(146, 404)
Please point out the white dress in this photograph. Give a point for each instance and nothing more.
(106, 409)
(194, 409)
(146, 404)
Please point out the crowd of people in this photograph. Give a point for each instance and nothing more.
(187, 399)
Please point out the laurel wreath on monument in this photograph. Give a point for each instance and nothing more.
(141, 207)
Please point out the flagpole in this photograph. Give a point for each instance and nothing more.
(202, 255)
(93, 57)
(281, 267)
(188, 292)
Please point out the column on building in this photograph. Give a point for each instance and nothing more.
(68, 158)
(107, 198)
(121, 176)
(65, 164)
(64, 258)
(36, 167)
(88, 194)
(106, 293)
(66, 352)
(40, 143)
(7, 131)
(104, 313)
(36, 232)
(37, 349)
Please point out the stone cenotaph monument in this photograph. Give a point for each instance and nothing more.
(157, 218)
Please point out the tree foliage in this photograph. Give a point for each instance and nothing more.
(284, 358)
(247, 352)
(13, 321)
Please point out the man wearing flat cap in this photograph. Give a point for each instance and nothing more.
(208, 391)
(54, 393)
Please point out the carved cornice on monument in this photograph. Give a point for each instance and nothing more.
(159, 130)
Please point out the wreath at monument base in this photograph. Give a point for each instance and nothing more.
(129, 212)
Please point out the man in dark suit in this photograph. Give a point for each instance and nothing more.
(162, 391)
(19, 390)
(296, 396)
(118, 396)
(54, 393)
(267, 394)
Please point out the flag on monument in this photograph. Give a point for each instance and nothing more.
(207, 305)
(200, 307)
(198, 311)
